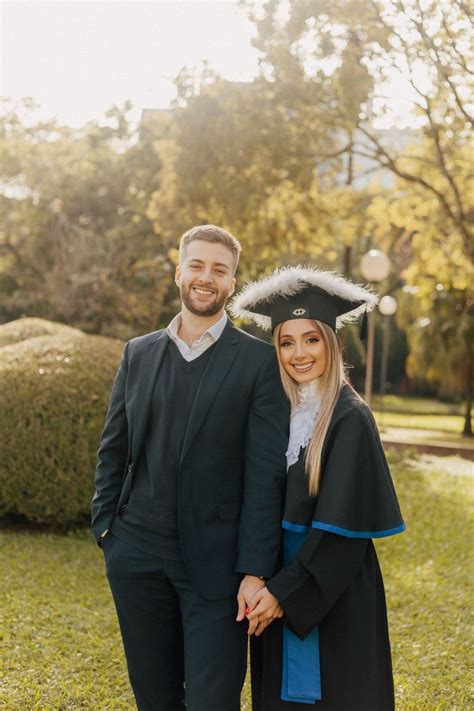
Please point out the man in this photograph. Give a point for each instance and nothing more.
(188, 494)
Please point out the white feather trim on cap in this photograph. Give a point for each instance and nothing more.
(288, 281)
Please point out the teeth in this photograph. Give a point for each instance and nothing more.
(303, 368)
(205, 292)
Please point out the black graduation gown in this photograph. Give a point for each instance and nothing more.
(333, 584)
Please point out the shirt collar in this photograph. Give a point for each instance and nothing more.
(214, 331)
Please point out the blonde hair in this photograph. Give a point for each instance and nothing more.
(331, 382)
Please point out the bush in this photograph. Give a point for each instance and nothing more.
(55, 390)
(23, 328)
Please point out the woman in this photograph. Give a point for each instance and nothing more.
(331, 648)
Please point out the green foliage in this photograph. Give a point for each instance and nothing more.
(55, 390)
(348, 50)
(61, 646)
(436, 302)
(24, 328)
(92, 216)
(233, 154)
(75, 243)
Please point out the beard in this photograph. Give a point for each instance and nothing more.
(197, 309)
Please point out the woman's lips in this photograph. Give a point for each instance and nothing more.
(303, 367)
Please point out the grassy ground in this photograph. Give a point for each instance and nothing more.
(416, 405)
(59, 642)
(452, 424)
(428, 420)
(419, 438)
(427, 572)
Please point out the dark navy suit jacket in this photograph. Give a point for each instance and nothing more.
(232, 465)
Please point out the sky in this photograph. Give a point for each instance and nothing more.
(76, 59)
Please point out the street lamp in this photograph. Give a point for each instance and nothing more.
(387, 307)
(374, 266)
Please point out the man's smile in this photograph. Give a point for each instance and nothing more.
(203, 291)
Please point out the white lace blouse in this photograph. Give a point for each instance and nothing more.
(302, 420)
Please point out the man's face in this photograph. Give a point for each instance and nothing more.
(205, 277)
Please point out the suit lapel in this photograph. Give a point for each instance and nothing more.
(216, 370)
(150, 364)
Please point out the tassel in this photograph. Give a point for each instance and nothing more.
(363, 327)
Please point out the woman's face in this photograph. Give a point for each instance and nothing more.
(302, 350)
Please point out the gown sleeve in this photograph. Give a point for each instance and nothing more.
(317, 576)
(357, 498)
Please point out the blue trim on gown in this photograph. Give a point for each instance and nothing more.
(300, 528)
(358, 534)
(301, 678)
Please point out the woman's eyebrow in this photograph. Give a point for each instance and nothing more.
(307, 333)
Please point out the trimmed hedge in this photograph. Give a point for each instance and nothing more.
(54, 394)
(23, 328)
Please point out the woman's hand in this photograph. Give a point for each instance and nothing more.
(263, 609)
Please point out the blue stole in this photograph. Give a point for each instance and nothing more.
(301, 682)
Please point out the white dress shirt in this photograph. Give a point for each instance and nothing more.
(210, 336)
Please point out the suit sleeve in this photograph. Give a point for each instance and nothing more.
(321, 571)
(112, 454)
(265, 467)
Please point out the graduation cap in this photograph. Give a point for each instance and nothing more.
(303, 292)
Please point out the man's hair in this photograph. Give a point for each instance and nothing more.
(210, 233)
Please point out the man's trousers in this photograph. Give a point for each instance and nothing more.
(183, 652)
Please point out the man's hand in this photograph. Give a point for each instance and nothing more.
(264, 609)
(102, 537)
(248, 587)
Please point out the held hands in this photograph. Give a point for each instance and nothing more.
(248, 587)
(263, 609)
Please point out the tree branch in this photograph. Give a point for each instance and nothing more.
(459, 55)
(464, 8)
(430, 45)
(390, 164)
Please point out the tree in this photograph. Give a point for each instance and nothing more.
(428, 218)
(76, 245)
(436, 304)
(237, 155)
(351, 49)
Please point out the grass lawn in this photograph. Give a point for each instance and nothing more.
(428, 572)
(416, 405)
(430, 420)
(441, 423)
(59, 642)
